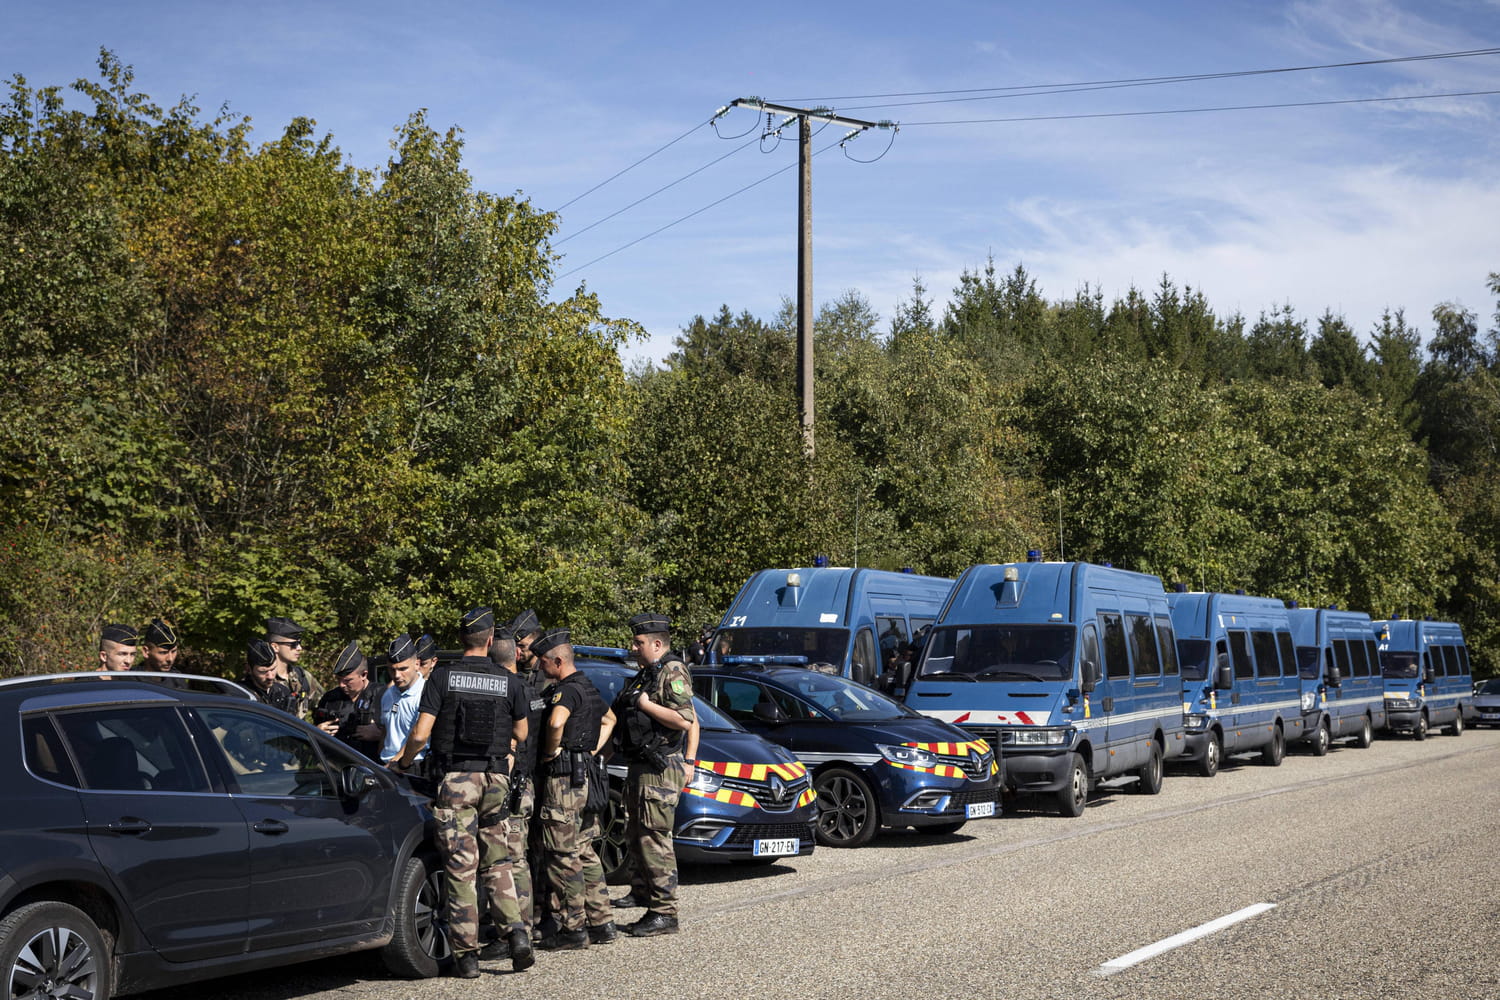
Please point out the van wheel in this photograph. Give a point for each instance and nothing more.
(51, 949)
(1275, 751)
(1073, 796)
(1366, 737)
(847, 813)
(1322, 740)
(419, 947)
(1150, 773)
(1457, 729)
(1213, 756)
(1419, 731)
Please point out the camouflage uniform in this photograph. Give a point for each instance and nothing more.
(470, 813)
(577, 895)
(651, 796)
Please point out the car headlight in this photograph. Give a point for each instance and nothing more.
(1041, 737)
(1195, 721)
(910, 756)
(1309, 699)
(1401, 704)
(706, 781)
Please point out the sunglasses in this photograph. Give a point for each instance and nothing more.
(294, 643)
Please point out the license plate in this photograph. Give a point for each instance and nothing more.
(979, 810)
(1489, 716)
(776, 848)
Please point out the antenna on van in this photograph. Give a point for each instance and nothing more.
(1061, 554)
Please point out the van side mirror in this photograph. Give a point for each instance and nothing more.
(1223, 673)
(1333, 677)
(769, 712)
(1428, 676)
(1089, 679)
(861, 673)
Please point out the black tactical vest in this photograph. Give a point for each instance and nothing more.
(474, 716)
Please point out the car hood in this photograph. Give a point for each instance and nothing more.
(741, 748)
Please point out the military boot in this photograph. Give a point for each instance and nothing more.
(466, 965)
(603, 933)
(521, 955)
(565, 941)
(653, 924)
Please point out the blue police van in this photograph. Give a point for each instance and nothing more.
(1427, 677)
(1340, 670)
(1240, 685)
(854, 619)
(1069, 668)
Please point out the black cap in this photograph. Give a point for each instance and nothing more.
(476, 620)
(524, 624)
(282, 628)
(426, 647)
(258, 653)
(159, 634)
(350, 659)
(649, 622)
(123, 634)
(401, 648)
(550, 640)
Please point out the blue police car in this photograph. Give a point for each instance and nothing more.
(875, 763)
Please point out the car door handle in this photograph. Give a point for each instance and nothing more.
(129, 824)
(270, 826)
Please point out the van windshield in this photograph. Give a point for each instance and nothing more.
(1398, 663)
(1000, 653)
(1193, 655)
(819, 645)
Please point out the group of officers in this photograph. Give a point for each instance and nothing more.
(510, 731)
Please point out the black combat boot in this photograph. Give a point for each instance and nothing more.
(466, 965)
(565, 941)
(629, 902)
(495, 950)
(653, 924)
(521, 955)
(603, 933)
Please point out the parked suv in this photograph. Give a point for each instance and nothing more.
(161, 829)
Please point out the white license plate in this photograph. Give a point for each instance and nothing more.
(979, 810)
(776, 848)
(1489, 716)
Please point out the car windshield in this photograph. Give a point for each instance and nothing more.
(1000, 653)
(1491, 686)
(843, 699)
(819, 645)
(1398, 663)
(1193, 655)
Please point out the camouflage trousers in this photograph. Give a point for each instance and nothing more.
(470, 812)
(577, 893)
(517, 842)
(650, 811)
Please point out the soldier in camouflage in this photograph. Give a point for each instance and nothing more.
(475, 717)
(656, 713)
(578, 725)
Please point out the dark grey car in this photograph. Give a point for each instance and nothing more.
(160, 829)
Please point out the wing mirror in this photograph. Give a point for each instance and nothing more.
(769, 712)
(355, 781)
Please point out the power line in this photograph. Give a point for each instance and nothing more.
(643, 159)
(1192, 111)
(1038, 89)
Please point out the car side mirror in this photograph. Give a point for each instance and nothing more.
(355, 781)
(1223, 673)
(1089, 676)
(1334, 677)
(1428, 676)
(769, 712)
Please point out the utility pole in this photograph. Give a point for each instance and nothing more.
(805, 117)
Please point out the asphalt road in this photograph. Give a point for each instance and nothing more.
(1379, 866)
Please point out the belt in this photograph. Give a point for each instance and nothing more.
(486, 764)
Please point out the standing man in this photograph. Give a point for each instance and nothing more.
(400, 702)
(656, 713)
(260, 676)
(426, 654)
(526, 630)
(472, 713)
(161, 646)
(522, 791)
(117, 647)
(348, 712)
(578, 726)
(285, 637)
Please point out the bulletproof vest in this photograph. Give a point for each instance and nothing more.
(535, 706)
(581, 731)
(473, 719)
(636, 730)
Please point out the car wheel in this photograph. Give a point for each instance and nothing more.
(1322, 740)
(52, 949)
(1275, 751)
(419, 948)
(1419, 731)
(612, 845)
(1150, 773)
(1073, 796)
(847, 813)
(942, 829)
(1366, 737)
(1457, 729)
(1213, 756)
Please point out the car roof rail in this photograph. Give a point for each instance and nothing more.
(197, 683)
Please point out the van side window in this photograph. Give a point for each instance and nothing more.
(1143, 646)
(1450, 661)
(1168, 644)
(1463, 658)
(1360, 664)
(892, 633)
(1267, 660)
(1341, 656)
(1116, 659)
(1239, 654)
(1288, 654)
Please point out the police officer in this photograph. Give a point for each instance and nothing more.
(348, 712)
(656, 713)
(117, 647)
(527, 629)
(475, 718)
(427, 654)
(578, 725)
(160, 642)
(260, 676)
(285, 638)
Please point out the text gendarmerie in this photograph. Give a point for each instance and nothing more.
(482, 684)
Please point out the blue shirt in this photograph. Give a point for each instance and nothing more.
(398, 713)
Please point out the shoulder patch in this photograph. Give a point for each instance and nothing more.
(556, 697)
(678, 686)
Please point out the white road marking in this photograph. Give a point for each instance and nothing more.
(1178, 940)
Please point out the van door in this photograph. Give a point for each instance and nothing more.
(1114, 693)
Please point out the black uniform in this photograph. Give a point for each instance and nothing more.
(351, 713)
(277, 696)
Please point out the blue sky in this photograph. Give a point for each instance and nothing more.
(1353, 208)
